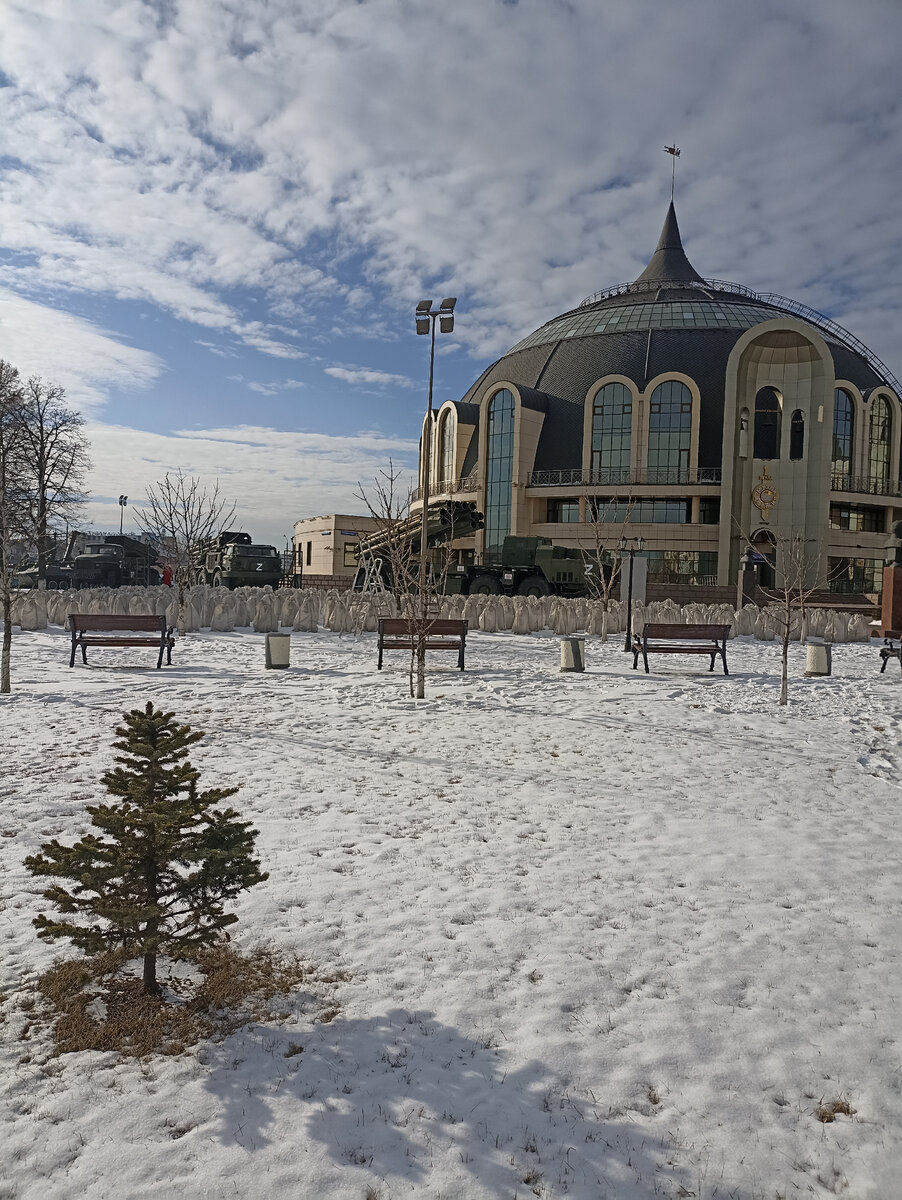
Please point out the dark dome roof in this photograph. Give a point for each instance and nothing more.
(670, 319)
(671, 295)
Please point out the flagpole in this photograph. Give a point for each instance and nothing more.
(674, 152)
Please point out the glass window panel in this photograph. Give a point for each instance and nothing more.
(797, 435)
(611, 433)
(499, 473)
(669, 432)
(843, 432)
(767, 424)
(879, 440)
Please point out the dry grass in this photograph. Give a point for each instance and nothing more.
(98, 1004)
(834, 1108)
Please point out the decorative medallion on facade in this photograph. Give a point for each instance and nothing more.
(764, 494)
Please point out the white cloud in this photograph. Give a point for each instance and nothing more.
(369, 375)
(275, 476)
(71, 351)
(162, 162)
(273, 389)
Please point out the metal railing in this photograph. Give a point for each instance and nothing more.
(449, 487)
(866, 484)
(621, 477)
(773, 299)
(692, 578)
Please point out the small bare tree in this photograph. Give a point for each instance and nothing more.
(800, 567)
(180, 514)
(418, 591)
(13, 502)
(603, 550)
(56, 463)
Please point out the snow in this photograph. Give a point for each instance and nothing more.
(586, 935)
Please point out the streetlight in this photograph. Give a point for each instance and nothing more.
(631, 545)
(426, 318)
(123, 500)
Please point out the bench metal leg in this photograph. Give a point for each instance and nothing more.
(379, 663)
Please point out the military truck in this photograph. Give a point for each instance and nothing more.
(527, 566)
(100, 564)
(232, 560)
(532, 566)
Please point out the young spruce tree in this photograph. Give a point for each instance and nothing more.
(156, 876)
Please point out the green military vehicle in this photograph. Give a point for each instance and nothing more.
(532, 566)
(528, 566)
(233, 560)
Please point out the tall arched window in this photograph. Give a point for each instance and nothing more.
(445, 464)
(767, 424)
(880, 431)
(843, 432)
(669, 433)
(797, 436)
(612, 421)
(499, 466)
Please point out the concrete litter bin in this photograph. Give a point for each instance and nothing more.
(278, 650)
(573, 652)
(818, 657)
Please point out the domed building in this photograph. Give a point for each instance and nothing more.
(692, 412)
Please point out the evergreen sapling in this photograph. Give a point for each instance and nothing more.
(155, 878)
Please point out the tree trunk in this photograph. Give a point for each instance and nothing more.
(421, 666)
(151, 987)
(5, 685)
(784, 672)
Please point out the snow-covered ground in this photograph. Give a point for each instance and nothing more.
(605, 935)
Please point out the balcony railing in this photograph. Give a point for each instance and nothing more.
(622, 477)
(449, 487)
(866, 485)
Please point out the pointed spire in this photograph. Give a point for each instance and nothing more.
(669, 263)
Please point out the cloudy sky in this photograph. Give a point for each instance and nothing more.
(217, 216)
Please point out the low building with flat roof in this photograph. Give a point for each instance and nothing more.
(325, 548)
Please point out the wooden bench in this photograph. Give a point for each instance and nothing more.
(89, 630)
(681, 639)
(400, 633)
(891, 648)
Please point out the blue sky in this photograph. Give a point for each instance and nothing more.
(217, 216)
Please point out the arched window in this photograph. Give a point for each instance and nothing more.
(767, 424)
(843, 432)
(797, 435)
(499, 466)
(612, 422)
(669, 433)
(880, 430)
(445, 464)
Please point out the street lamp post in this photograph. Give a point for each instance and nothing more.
(123, 500)
(631, 545)
(426, 318)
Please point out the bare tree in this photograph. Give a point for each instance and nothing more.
(181, 513)
(13, 502)
(800, 569)
(602, 551)
(397, 537)
(56, 463)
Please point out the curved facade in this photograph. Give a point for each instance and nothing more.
(663, 408)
